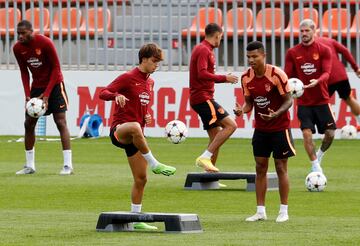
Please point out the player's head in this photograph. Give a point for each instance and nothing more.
(24, 31)
(149, 57)
(255, 53)
(213, 34)
(307, 31)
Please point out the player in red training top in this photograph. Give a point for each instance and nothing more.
(310, 61)
(131, 92)
(37, 53)
(266, 90)
(216, 121)
(339, 80)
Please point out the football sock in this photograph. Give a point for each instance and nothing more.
(207, 154)
(136, 208)
(150, 159)
(67, 158)
(260, 209)
(319, 153)
(315, 163)
(283, 209)
(30, 158)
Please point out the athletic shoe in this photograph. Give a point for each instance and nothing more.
(164, 169)
(282, 217)
(256, 217)
(66, 170)
(222, 185)
(143, 226)
(25, 170)
(316, 169)
(206, 164)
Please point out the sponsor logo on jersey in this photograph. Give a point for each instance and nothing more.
(308, 68)
(144, 98)
(34, 62)
(261, 102)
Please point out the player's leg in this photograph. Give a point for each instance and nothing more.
(138, 167)
(281, 171)
(60, 121)
(212, 116)
(326, 125)
(212, 132)
(29, 140)
(131, 133)
(260, 188)
(262, 149)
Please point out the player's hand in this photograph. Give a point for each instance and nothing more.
(148, 119)
(272, 114)
(46, 102)
(358, 72)
(121, 100)
(312, 83)
(231, 78)
(238, 111)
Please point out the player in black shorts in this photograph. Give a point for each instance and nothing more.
(36, 54)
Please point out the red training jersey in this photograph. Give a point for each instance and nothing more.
(39, 56)
(267, 92)
(135, 86)
(310, 62)
(338, 72)
(202, 73)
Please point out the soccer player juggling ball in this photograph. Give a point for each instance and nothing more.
(131, 92)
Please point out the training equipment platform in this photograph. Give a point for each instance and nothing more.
(122, 221)
(208, 181)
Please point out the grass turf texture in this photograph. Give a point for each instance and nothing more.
(49, 209)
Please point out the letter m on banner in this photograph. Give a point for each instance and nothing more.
(88, 102)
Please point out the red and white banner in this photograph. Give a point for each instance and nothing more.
(170, 101)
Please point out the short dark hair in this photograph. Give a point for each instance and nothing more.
(255, 45)
(25, 23)
(212, 28)
(150, 50)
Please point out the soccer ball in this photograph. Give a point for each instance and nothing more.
(176, 131)
(315, 181)
(35, 107)
(296, 87)
(348, 132)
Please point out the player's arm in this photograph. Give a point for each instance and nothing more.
(289, 65)
(248, 104)
(111, 92)
(25, 77)
(55, 68)
(203, 73)
(346, 54)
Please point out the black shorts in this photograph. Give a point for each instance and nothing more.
(58, 101)
(210, 113)
(343, 89)
(130, 149)
(320, 115)
(280, 143)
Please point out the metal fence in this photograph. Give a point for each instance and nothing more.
(106, 35)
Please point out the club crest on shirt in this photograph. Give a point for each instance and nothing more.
(316, 56)
(267, 87)
(221, 110)
(38, 51)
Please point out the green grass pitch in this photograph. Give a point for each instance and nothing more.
(48, 209)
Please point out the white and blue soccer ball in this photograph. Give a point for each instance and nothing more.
(176, 131)
(348, 132)
(315, 181)
(296, 87)
(35, 107)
